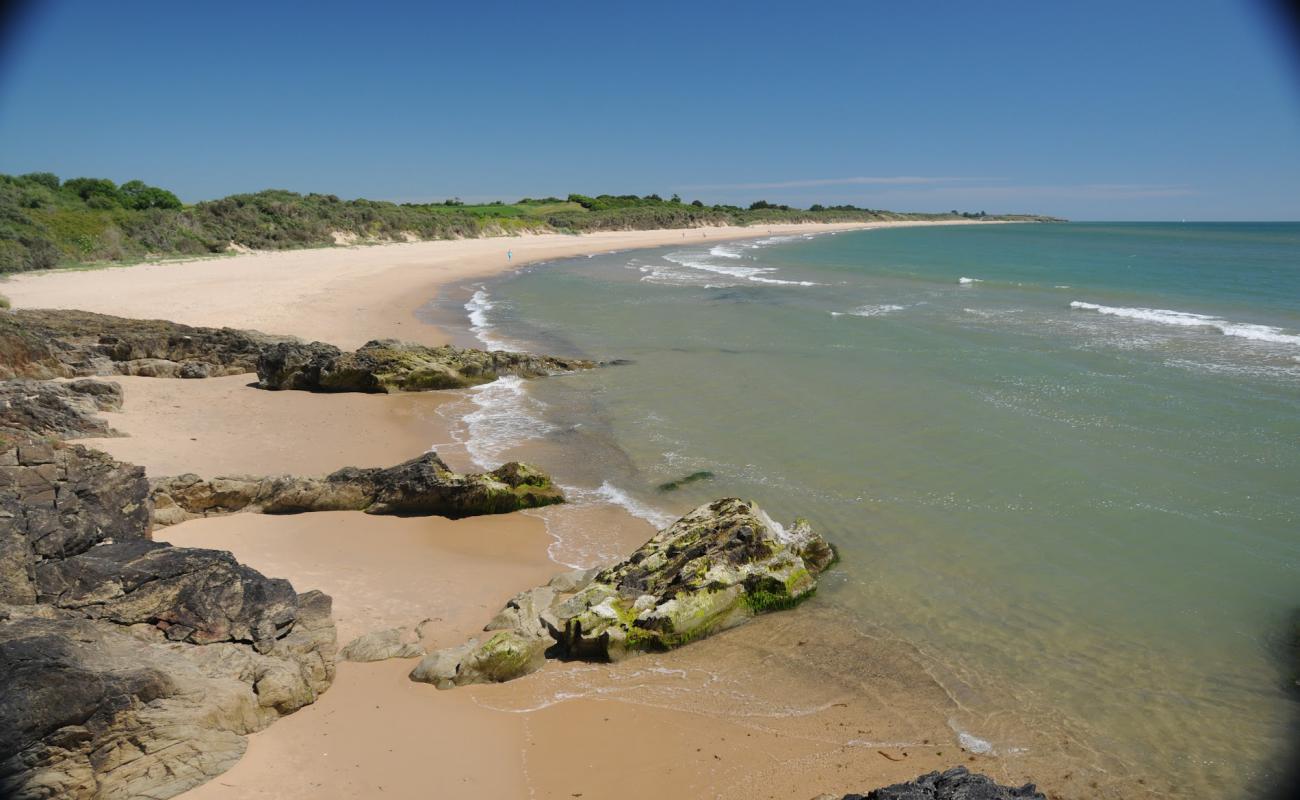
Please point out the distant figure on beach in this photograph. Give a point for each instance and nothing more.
(510, 254)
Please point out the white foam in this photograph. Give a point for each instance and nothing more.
(964, 281)
(723, 251)
(1186, 319)
(478, 307)
(876, 310)
(610, 493)
(503, 418)
(701, 262)
(974, 744)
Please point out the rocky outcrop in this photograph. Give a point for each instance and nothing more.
(392, 366)
(49, 343)
(53, 408)
(713, 569)
(957, 783)
(131, 668)
(58, 501)
(97, 710)
(419, 487)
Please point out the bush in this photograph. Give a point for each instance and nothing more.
(47, 179)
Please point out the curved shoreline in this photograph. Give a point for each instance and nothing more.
(376, 730)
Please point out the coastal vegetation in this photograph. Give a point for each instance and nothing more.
(46, 222)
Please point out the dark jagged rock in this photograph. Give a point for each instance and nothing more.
(50, 343)
(713, 569)
(130, 668)
(391, 366)
(194, 595)
(57, 501)
(419, 487)
(957, 783)
(52, 408)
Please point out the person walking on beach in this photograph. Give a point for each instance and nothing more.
(510, 254)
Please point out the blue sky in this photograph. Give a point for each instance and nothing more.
(1097, 110)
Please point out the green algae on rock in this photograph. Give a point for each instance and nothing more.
(387, 365)
(715, 568)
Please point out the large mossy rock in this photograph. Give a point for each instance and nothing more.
(391, 366)
(423, 486)
(957, 783)
(713, 569)
(58, 343)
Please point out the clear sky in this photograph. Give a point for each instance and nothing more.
(1141, 109)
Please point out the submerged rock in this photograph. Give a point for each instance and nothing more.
(694, 477)
(713, 569)
(422, 486)
(58, 343)
(54, 408)
(391, 366)
(957, 783)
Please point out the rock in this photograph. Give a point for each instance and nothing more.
(390, 366)
(95, 710)
(713, 569)
(57, 501)
(64, 410)
(694, 477)
(131, 668)
(507, 655)
(573, 580)
(421, 486)
(385, 644)
(193, 595)
(957, 783)
(48, 343)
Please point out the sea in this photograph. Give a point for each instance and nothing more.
(1061, 461)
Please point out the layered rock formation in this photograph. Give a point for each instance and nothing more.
(392, 366)
(422, 486)
(131, 668)
(48, 343)
(64, 410)
(957, 783)
(713, 569)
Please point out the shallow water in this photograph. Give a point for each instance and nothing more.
(1061, 461)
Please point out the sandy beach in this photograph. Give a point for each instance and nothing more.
(651, 727)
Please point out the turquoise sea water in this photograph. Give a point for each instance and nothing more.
(1062, 461)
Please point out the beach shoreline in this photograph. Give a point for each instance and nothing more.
(376, 730)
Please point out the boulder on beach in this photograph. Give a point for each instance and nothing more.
(713, 569)
(422, 486)
(389, 365)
